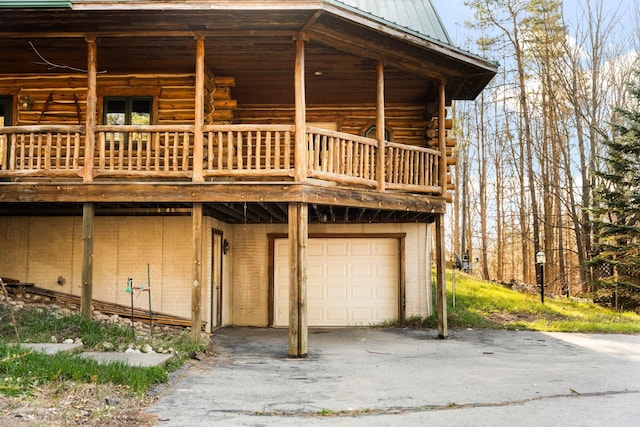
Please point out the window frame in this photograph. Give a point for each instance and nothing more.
(373, 129)
(123, 137)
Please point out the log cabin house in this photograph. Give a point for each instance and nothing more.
(261, 163)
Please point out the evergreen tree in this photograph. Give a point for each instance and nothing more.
(617, 203)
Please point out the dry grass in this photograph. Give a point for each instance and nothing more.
(74, 404)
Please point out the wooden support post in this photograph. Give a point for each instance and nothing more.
(442, 144)
(92, 107)
(86, 292)
(196, 290)
(441, 278)
(380, 126)
(198, 137)
(300, 110)
(298, 238)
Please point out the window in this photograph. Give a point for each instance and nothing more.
(371, 133)
(120, 111)
(5, 120)
(127, 111)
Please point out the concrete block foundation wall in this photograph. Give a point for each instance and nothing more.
(43, 249)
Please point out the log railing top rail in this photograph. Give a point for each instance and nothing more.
(257, 151)
(342, 135)
(145, 128)
(248, 127)
(12, 130)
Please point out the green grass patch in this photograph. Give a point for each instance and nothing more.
(482, 304)
(22, 370)
(40, 324)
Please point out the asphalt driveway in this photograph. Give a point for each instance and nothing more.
(365, 377)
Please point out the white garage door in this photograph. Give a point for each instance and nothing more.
(350, 281)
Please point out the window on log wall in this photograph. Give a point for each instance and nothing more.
(127, 111)
(371, 133)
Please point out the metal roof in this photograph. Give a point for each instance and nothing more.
(34, 3)
(419, 16)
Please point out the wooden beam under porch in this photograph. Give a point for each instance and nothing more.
(188, 192)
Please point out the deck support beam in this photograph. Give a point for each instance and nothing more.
(441, 279)
(86, 292)
(380, 126)
(300, 155)
(92, 107)
(442, 142)
(298, 239)
(198, 135)
(196, 290)
(88, 209)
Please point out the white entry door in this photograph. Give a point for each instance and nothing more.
(350, 281)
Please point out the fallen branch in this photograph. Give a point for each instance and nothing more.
(53, 66)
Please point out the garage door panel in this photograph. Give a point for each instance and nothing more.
(362, 270)
(337, 316)
(350, 281)
(385, 294)
(386, 270)
(315, 293)
(390, 249)
(337, 271)
(336, 294)
(361, 293)
(361, 315)
(314, 314)
(336, 248)
(313, 248)
(360, 248)
(315, 271)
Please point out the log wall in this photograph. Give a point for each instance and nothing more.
(61, 99)
(404, 123)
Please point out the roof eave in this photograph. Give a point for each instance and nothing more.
(409, 35)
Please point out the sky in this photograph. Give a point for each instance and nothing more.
(454, 13)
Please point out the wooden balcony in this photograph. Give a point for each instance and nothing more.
(230, 152)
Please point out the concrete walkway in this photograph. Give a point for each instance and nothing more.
(141, 360)
(370, 377)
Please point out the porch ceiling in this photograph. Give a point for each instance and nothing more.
(229, 212)
(254, 46)
(262, 66)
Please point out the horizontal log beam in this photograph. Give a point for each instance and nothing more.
(42, 129)
(189, 192)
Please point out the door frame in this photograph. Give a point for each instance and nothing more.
(217, 263)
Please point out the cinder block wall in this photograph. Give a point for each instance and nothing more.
(42, 249)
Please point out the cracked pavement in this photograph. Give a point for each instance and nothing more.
(365, 377)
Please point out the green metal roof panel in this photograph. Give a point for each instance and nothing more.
(30, 4)
(418, 16)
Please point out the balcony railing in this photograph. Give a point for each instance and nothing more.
(341, 157)
(248, 150)
(229, 151)
(41, 150)
(149, 151)
(410, 168)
